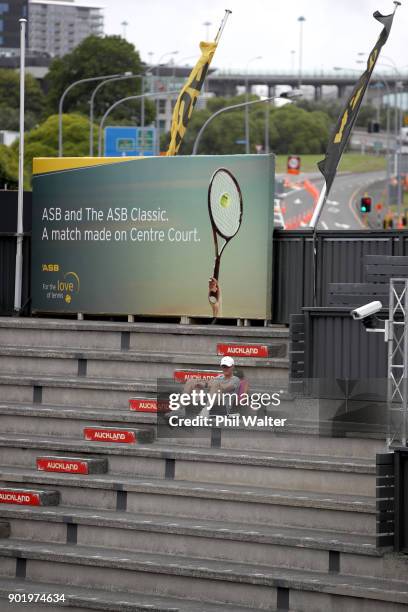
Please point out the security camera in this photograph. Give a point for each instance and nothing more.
(368, 310)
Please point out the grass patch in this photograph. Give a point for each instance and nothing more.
(350, 162)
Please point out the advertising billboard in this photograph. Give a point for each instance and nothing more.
(168, 236)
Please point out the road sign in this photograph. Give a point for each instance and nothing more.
(122, 141)
(293, 166)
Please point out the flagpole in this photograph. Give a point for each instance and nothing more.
(313, 223)
(222, 26)
(345, 124)
(191, 90)
(319, 206)
(20, 204)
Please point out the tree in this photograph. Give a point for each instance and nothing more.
(96, 56)
(10, 100)
(291, 129)
(42, 141)
(297, 131)
(335, 107)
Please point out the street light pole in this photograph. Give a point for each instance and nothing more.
(207, 25)
(61, 103)
(157, 97)
(20, 199)
(115, 104)
(247, 143)
(301, 20)
(126, 75)
(223, 110)
(292, 60)
(398, 137)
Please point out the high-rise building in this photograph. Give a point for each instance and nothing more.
(10, 13)
(58, 26)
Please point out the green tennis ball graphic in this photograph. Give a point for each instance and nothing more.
(225, 200)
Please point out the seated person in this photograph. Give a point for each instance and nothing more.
(232, 384)
(228, 383)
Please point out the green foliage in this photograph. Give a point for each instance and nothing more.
(333, 108)
(42, 141)
(96, 56)
(291, 129)
(10, 100)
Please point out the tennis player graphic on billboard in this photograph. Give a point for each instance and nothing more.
(225, 208)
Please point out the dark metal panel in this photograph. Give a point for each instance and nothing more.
(7, 273)
(343, 259)
(8, 208)
(340, 259)
(340, 348)
(288, 277)
(401, 499)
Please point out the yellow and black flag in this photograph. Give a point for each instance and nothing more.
(339, 138)
(188, 97)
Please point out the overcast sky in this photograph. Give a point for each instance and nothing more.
(334, 32)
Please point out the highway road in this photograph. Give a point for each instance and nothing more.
(341, 209)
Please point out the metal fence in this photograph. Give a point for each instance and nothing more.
(8, 226)
(339, 259)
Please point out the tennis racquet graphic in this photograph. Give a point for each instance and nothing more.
(225, 209)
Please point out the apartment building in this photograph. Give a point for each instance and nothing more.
(58, 26)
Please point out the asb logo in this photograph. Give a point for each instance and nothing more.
(69, 285)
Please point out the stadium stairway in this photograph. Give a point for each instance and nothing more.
(99, 508)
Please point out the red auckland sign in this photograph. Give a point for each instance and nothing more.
(243, 350)
(22, 498)
(97, 434)
(143, 404)
(70, 466)
(182, 376)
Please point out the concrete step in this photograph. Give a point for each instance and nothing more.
(301, 436)
(292, 471)
(88, 392)
(73, 390)
(205, 501)
(28, 497)
(109, 600)
(167, 337)
(44, 361)
(204, 579)
(300, 548)
(76, 413)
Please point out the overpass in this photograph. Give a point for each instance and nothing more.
(225, 82)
